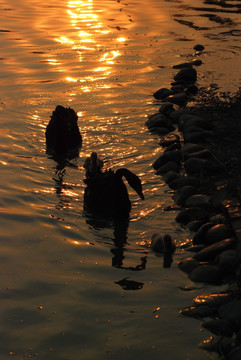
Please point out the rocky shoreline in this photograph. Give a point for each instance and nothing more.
(201, 162)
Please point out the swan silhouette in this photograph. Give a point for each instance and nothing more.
(62, 132)
(93, 164)
(107, 194)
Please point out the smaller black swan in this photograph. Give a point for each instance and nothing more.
(107, 194)
(93, 164)
(62, 132)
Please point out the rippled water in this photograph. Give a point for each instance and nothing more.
(72, 288)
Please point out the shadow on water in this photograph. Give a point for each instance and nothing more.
(120, 232)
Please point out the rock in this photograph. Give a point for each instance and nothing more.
(202, 154)
(187, 215)
(195, 248)
(216, 233)
(177, 89)
(196, 134)
(188, 265)
(220, 327)
(201, 235)
(175, 115)
(198, 47)
(174, 156)
(198, 312)
(178, 98)
(182, 181)
(162, 93)
(170, 176)
(205, 273)
(166, 109)
(191, 89)
(194, 225)
(190, 120)
(189, 148)
(213, 250)
(196, 165)
(169, 166)
(199, 200)
(228, 260)
(176, 146)
(159, 130)
(169, 140)
(159, 120)
(231, 311)
(213, 300)
(196, 62)
(187, 75)
(183, 193)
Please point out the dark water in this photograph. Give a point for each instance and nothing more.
(72, 288)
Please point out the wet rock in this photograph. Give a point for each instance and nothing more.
(196, 165)
(196, 134)
(228, 260)
(194, 225)
(205, 273)
(169, 140)
(182, 181)
(177, 89)
(202, 154)
(217, 233)
(198, 47)
(183, 193)
(195, 248)
(176, 146)
(188, 265)
(166, 108)
(195, 62)
(187, 74)
(198, 312)
(170, 176)
(221, 327)
(213, 250)
(159, 120)
(189, 148)
(188, 120)
(169, 166)
(199, 200)
(175, 115)
(185, 216)
(159, 130)
(214, 300)
(179, 99)
(191, 89)
(201, 235)
(174, 156)
(162, 93)
(231, 311)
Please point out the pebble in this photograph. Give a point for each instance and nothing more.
(221, 327)
(198, 47)
(185, 216)
(181, 181)
(178, 98)
(199, 200)
(188, 74)
(174, 156)
(188, 265)
(183, 193)
(162, 93)
(205, 273)
(213, 250)
(195, 62)
(169, 166)
(196, 165)
(169, 140)
(216, 233)
(201, 235)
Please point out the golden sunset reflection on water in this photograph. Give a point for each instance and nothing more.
(86, 41)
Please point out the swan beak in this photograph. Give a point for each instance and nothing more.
(142, 196)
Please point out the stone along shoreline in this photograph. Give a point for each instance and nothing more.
(201, 162)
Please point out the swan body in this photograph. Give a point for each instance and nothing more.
(107, 194)
(62, 132)
(163, 244)
(93, 165)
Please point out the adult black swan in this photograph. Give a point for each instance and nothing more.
(62, 132)
(106, 193)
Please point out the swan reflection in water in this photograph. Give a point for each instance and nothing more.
(107, 204)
